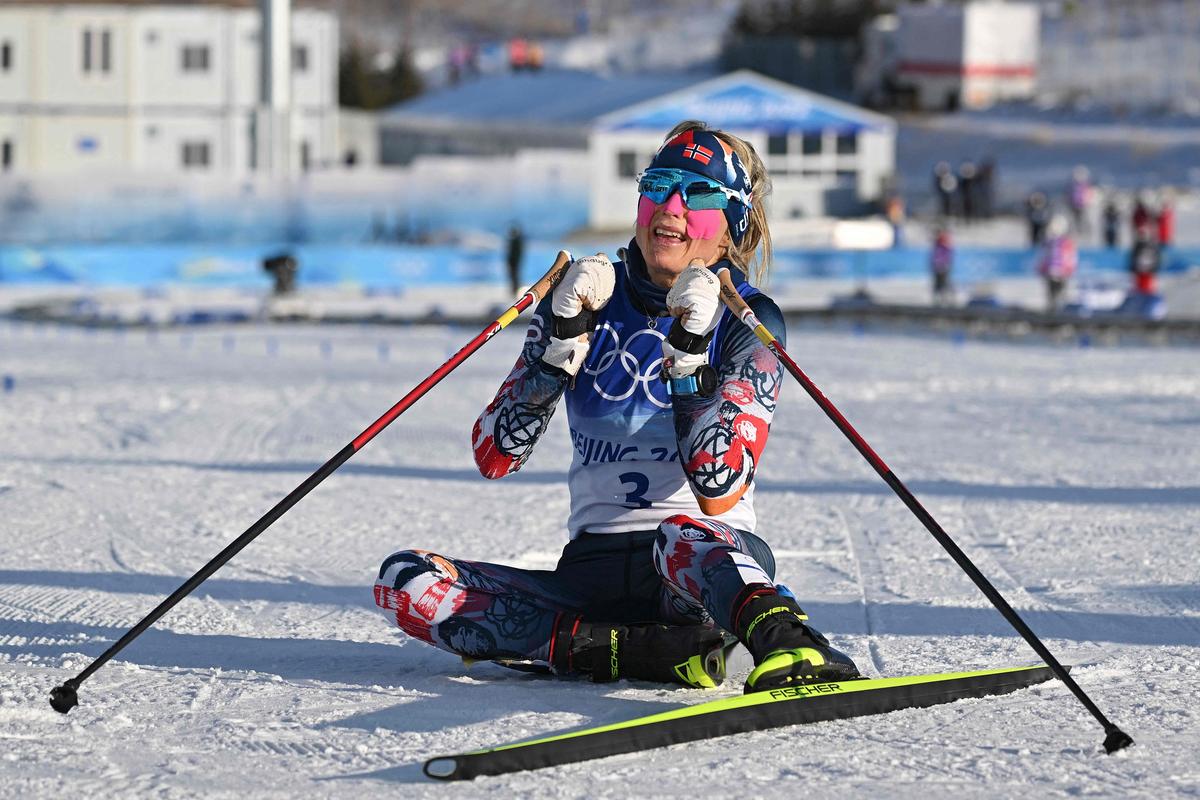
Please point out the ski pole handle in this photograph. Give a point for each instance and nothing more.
(740, 309)
(547, 282)
(536, 293)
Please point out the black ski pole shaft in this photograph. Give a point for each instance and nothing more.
(1115, 739)
(65, 697)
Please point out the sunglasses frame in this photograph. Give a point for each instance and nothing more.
(681, 177)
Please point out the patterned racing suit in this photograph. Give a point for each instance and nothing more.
(662, 515)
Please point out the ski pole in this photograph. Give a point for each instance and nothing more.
(1115, 738)
(63, 698)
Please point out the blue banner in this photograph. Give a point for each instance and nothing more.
(400, 266)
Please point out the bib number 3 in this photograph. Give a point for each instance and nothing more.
(636, 498)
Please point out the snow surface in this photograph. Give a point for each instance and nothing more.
(128, 459)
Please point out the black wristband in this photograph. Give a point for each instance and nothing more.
(692, 343)
(571, 327)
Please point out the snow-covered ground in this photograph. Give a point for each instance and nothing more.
(128, 459)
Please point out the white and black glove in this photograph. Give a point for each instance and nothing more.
(695, 300)
(584, 290)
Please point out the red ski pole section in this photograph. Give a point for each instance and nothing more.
(539, 290)
(830, 410)
(445, 369)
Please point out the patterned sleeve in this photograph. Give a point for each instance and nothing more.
(507, 430)
(721, 438)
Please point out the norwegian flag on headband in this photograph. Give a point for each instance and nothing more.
(701, 154)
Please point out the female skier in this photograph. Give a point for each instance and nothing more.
(669, 399)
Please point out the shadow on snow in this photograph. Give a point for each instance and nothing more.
(1103, 495)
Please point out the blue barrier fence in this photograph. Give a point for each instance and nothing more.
(390, 267)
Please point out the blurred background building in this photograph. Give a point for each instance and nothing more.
(968, 56)
(89, 87)
(406, 125)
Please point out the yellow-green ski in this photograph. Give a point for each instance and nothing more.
(793, 705)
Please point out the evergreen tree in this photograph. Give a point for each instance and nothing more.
(361, 85)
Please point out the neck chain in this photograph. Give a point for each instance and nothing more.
(640, 303)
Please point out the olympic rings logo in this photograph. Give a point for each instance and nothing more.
(628, 362)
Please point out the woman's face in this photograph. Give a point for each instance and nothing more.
(671, 236)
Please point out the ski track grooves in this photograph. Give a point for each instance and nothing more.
(128, 466)
(995, 555)
(870, 575)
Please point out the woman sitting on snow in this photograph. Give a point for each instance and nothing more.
(669, 401)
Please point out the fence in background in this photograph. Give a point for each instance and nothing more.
(410, 266)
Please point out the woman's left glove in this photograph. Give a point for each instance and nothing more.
(695, 300)
(584, 289)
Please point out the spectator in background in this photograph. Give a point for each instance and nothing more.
(1166, 221)
(1079, 197)
(1057, 260)
(893, 208)
(945, 186)
(986, 181)
(516, 250)
(968, 188)
(1112, 221)
(456, 62)
(1142, 219)
(941, 265)
(534, 57)
(463, 62)
(472, 64)
(1144, 261)
(1037, 212)
(518, 54)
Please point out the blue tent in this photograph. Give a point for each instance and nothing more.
(745, 100)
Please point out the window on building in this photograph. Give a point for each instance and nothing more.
(847, 143)
(194, 58)
(196, 155)
(299, 58)
(810, 145)
(627, 164)
(777, 144)
(6, 56)
(6, 155)
(305, 156)
(97, 50)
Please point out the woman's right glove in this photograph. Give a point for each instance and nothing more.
(584, 290)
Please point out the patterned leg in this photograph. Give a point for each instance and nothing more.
(473, 609)
(706, 565)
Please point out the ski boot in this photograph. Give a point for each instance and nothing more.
(692, 655)
(786, 650)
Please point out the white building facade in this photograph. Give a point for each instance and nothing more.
(825, 157)
(970, 55)
(155, 89)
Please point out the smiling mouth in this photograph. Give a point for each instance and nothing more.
(667, 235)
